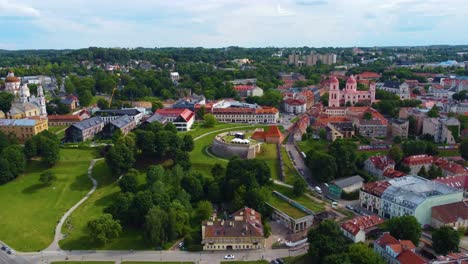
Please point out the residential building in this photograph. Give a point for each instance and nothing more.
(393, 174)
(248, 90)
(190, 102)
(295, 106)
(416, 162)
(444, 130)
(458, 182)
(350, 94)
(395, 251)
(347, 185)
(339, 130)
(182, 118)
(294, 59)
(374, 128)
(399, 88)
(23, 129)
(414, 195)
(236, 112)
(156, 118)
(300, 221)
(175, 77)
(368, 76)
(84, 130)
(71, 101)
(63, 120)
(377, 165)
(111, 114)
(313, 58)
(399, 128)
(450, 168)
(370, 195)
(357, 228)
(125, 124)
(453, 214)
(272, 135)
(244, 230)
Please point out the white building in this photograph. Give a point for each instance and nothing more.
(295, 106)
(182, 118)
(237, 112)
(175, 77)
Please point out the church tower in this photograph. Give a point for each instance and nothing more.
(372, 92)
(41, 100)
(24, 93)
(334, 93)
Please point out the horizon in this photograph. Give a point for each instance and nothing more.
(52, 24)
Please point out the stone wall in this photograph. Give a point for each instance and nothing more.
(227, 150)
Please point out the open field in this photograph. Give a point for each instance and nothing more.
(55, 129)
(75, 225)
(303, 199)
(286, 208)
(31, 210)
(312, 144)
(290, 172)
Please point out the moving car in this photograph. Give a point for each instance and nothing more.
(317, 189)
(349, 207)
(229, 256)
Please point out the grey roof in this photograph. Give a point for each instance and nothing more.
(118, 112)
(410, 191)
(392, 84)
(122, 121)
(17, 122)
(345, 182)
(157, 118)
(91, 122)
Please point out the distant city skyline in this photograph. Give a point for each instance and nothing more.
(56, 24)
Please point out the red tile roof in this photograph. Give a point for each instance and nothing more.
(459, 182)
(409, 257)
(294, 101)
(245, 223)
(386, 239)
(369, 75)
(244, 87)
(391, 173)
(175, 112)
(451, 213)
(451, 167)
(376, 188)
(354, 225)
(381, 162)
(418, 160)
(76, 118)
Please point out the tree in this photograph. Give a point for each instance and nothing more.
(156, 225)
(203, 211)
(128, 183)
(104, 229)
(422, 172)
(322, 164)
(360, 253)
(404, 227)
(325, 240)
(434, 172)
(344, 153)
(396, 154)
(5, 101)
(154, 174)
(464, 148)
(445, 240)
(14, 156)
(367, 116)
(102, 103)
(47, 177)
(209, 120)
(434, 112)
(121, 157)
(299, 187)
(5, 173)
(187, 143)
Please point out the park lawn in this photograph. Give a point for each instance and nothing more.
(303, 199)
(312, 144)
(55, 129)
(286, 208)
(290, 172)
(448, 152)
(270, 156)
(31, 210)
(75, 226)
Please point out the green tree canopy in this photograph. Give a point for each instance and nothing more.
(104, 229)
(445, 240)
(404, 227)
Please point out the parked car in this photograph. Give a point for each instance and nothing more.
(229, 256)
(181, 244)
(5, 248)
(349, 207)
(274, 262)
(11, 251)
(280, 261)
(317, 189)
(334, 204)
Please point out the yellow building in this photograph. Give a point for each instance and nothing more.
(23, 110)
(23, 129)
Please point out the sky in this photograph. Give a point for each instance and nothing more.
(63, 24)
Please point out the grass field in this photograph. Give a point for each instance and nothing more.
(270, 156)
(303, 199)
(55, 129)
(31, 210)
(290, 172)
(286, 208)
(306, 146)
(75, 225)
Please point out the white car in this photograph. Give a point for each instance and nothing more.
(229, 256)
(11, 252)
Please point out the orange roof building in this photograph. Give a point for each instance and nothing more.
(272, 135)
(357, 228)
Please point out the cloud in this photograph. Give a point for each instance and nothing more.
(10, 9)
(311, 2)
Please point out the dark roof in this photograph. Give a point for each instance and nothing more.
(345, 182)
(118, 112)
(91, 122)
(392, 84)
(122, 121)
(156, 118)
(344, 126)
(398, 121)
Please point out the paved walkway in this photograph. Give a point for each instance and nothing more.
(58, 229)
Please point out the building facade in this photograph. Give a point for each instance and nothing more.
(23, 129)
(183, 119)
(244, 230)
(357, 228)
(443, 130)
(399, 128)
(236, 112)
(347, 185)
(370, 195)
(377, 165)
(248, 90)
(84, 130)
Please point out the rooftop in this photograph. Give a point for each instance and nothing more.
(354, 225)
(122, 121)
(244, 223)
(451, 213)
(118, 112)
(18, 122)
(345, 182)
(88, 123)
